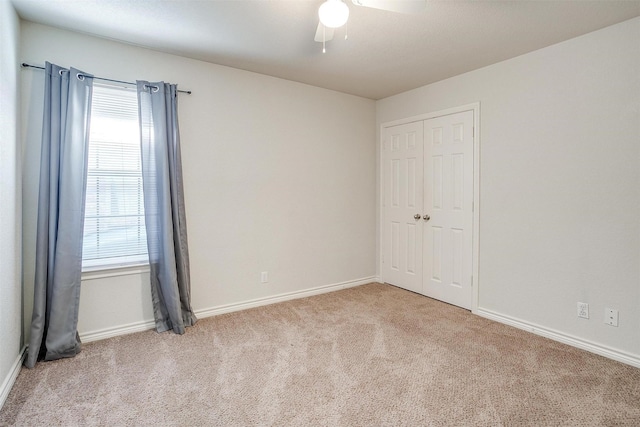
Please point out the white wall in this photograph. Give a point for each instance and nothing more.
(10, 205)
(559, 182)
(279, 177)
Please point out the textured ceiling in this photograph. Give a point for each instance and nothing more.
(386, 53)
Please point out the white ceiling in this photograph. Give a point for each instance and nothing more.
(386, 53)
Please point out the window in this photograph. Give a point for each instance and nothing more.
(114, 229)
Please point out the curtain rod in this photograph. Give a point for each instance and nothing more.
(24, 64)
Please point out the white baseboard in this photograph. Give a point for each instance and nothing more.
(10, 380)
(611, 353)
(115, 331)
(214, 311)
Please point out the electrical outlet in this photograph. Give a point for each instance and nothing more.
(583, 310)
(611, 316)
(264, 277)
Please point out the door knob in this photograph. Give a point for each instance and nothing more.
(416, 216)
(426, 217)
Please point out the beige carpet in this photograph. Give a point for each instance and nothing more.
(374, 355)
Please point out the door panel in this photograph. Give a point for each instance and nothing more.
(448, 199)
(402, 199)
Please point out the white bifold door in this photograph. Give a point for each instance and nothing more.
(428, 207)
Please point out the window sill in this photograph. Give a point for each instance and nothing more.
(114, 271)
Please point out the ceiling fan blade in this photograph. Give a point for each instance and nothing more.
(325, 35)
(400, 6)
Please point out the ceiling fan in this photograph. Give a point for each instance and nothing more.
(334, 13)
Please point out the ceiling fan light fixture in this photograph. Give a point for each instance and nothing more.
(333, 13)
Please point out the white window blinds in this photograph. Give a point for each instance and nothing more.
(114, 226)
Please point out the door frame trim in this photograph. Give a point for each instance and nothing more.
(475, 108)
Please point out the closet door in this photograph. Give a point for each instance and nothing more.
(402, 175)
(448, 216)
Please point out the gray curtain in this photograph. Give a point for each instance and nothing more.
(63, 178)
(164, 207)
